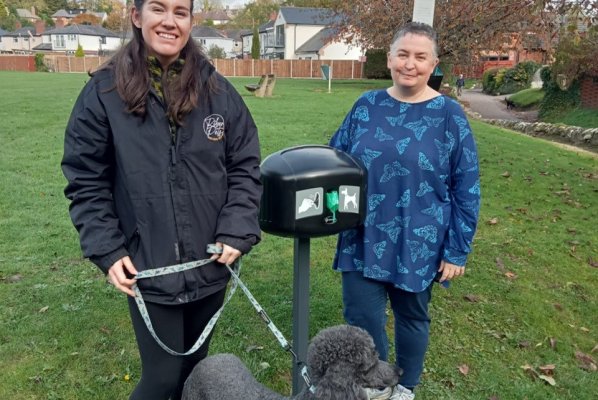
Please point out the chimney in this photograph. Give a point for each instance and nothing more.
(18, 25)
(40, 26)
(59, 23)
(33, 10)
(273, 16)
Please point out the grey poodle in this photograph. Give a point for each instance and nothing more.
(341, 360)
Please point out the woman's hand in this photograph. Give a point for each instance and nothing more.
(117, 275)
(450, 271)
(228, 256)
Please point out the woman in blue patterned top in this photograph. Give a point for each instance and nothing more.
(423, 201)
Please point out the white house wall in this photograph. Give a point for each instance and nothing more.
(70, 42)
(20, 42)
(223, 43)
(295, 36)
(341, 51)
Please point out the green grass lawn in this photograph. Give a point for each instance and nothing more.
(527, 98)
(525, 312)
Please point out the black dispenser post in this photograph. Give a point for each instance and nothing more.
(309, 191)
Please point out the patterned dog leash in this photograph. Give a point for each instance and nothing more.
(235, 271)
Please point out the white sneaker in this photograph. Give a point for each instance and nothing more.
(402, 393)
(379, 394)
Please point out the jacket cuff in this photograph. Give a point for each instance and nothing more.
(243, 245)
(107, 260)
(455, 257)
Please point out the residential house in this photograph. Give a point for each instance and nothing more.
(64, 17)
(236, 36)
(217, 17)
(207, 37)
(303, 33)
(2, 42)
(266, 37)
(28, 15)
(24, 39)
(93, 39)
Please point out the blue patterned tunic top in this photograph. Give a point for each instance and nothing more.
(423, 192)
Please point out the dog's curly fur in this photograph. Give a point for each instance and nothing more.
(341, 360)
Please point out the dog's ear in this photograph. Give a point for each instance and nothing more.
(338, 384)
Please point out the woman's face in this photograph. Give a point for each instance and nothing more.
(165, 26)
(412, 61)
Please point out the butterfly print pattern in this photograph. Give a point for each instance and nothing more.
(415, 154)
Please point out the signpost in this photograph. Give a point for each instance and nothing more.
(423, 11)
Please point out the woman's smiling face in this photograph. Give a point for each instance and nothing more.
(165, 26)
(411, 61)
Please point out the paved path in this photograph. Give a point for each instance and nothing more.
(494, 107)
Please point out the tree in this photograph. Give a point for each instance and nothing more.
(3, 9)
(255, 44)
(85, 19)
(54, 5)
(117, 20)
(215, 52)
(256, 13)
(464, 27)
(79, 52)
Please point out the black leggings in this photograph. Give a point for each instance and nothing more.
(178, 326)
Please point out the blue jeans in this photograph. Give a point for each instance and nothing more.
(364, 302)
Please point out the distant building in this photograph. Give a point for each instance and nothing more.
(93, 39)
(303, 33)
(207, 37)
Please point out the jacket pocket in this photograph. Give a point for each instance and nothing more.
(133, 243)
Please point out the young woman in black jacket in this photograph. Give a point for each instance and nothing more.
(162, 158)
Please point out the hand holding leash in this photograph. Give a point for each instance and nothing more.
(225, 254)
(117, 275)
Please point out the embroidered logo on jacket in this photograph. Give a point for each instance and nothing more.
(213, 127)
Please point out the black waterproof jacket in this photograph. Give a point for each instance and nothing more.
(133, 192)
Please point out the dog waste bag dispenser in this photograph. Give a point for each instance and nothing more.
(309, 191)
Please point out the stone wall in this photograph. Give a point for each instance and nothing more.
(574, 135)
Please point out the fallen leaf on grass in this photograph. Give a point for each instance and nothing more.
(505, 174)
(594, 349)
(548, 379)
(558, 306)
(547, 369)
(44, 309)
(492, 221)
(584, 329)
(14, 278)
(552, 343)
(494, 398)
(524, 344)
(253, 347)
(572, 230)
(511, 275)
(472, 298)
(500, 265)
(586, 360)
(464, 369)
(592, 262)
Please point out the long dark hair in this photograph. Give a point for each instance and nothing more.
(133, 80)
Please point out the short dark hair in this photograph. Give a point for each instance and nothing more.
(416, 28)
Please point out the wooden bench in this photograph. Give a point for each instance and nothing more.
(265, 86)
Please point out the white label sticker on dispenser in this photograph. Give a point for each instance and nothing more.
(309, 202)
(348, 199)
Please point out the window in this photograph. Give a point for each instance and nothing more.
(72, 38)
(280, 35)
(15, 39)
(103, 40)
(59, 41)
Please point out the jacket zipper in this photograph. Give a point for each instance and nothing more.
(172, 182)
